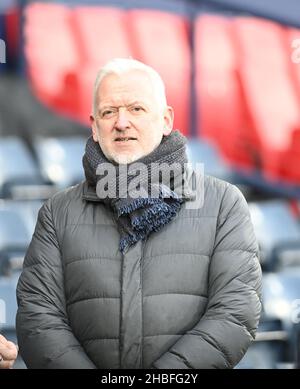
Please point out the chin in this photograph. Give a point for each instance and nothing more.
(125, 159)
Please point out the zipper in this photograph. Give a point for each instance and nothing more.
(142, 305)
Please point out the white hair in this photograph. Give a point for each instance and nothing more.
(120, 66)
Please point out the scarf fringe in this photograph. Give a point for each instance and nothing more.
(152, 219)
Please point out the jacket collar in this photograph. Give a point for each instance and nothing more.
(89, 192)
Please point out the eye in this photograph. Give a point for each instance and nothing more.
(137, 108)
(107, 113)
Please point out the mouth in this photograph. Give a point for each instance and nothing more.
(124, 139)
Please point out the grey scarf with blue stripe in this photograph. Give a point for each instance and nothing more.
(138, 216)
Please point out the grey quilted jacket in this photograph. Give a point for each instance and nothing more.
(188, 297)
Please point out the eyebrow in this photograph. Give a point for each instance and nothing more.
(118, 106)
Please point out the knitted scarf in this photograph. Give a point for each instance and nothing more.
(138, 215)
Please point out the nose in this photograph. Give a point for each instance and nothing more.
(122, 122)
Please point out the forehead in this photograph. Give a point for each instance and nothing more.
(132, 85)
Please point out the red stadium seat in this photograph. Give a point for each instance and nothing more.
(12, 26)
(269, 91)
(52, 58)
(100, 33)
(221, 113)
(160, 39)
(293, 49)
(63, 69)
(101, 36)
(290, 161)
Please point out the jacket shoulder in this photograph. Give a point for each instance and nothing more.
(64, 205)
(228, 196)
(216, 197)
(66, 195)
(219, 187)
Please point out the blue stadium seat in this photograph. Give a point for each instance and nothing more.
(278, 234)
(17, 222)
(19, 175)
(204, 151)
(14, 240)
(9, 33)
(60, 159)
(2, 43)
(8, 305)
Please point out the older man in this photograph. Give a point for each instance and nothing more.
(120, 275)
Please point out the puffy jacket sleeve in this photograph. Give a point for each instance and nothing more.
(223, 334)
(44, 334)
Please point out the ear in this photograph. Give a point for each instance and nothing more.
(94, 128)
(168, 120)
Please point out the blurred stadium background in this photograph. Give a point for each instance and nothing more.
(232, 73)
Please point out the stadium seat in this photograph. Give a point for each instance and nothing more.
(221, 112)
(14, 234)
(278, 233)
(290, 160)
(12, 27)
(52, 58)
(17, 223)
(161, 40)
(15, 237)
(8, 307)
(19, 175)
(203, 151)
(60, 159)
(3, 53)
(97, 42)
(269, 91)
(290, 157)
(293, 48)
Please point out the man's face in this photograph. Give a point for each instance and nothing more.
(129, 123)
